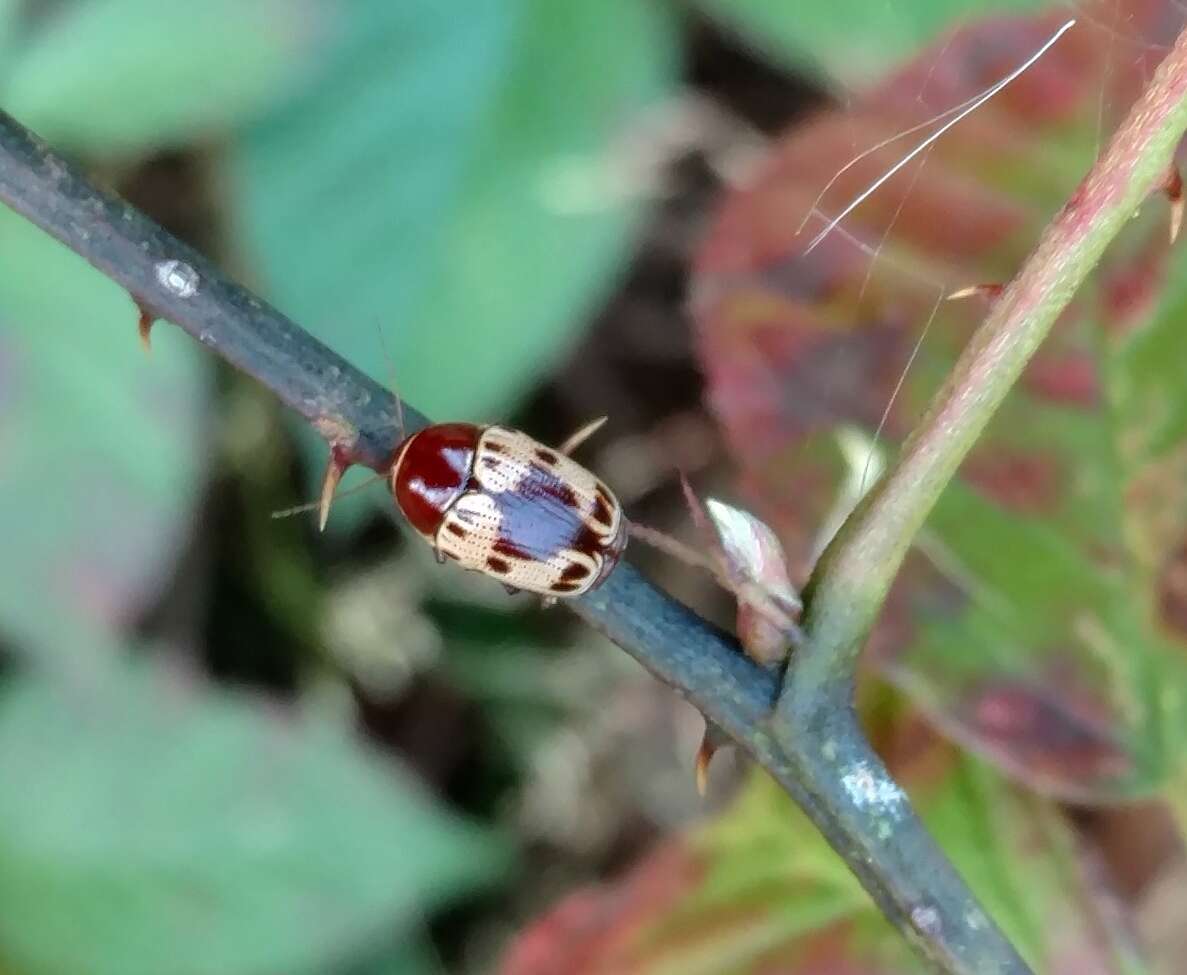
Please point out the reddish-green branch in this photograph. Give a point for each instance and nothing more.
(855, 572)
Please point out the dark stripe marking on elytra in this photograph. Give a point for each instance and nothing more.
(601, 508)
(508, 547)
(575, 572)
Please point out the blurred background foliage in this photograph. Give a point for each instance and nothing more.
(231, 746)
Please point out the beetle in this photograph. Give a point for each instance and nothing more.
(498, 502)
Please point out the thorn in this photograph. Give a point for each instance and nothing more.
(578, 437)
(701, 766)
(988, 291)
(144, 325)
(548, 602)
(695, 508)
(710, 540)
(335, 468)
(1172, 186)
(712, 741)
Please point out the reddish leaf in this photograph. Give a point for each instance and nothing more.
(593, 930)
(1069, 519)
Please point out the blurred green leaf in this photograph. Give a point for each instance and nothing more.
(764, 853)
(102, 451)
(415, 957)
(445, 186)
(1043, 617)
(11, 12)
(156, 829)
(852, 42)
(119, 77)
(101, 448)
(759, 890)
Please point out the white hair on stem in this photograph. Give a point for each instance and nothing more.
(968, 109)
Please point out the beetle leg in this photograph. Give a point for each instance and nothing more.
(548, 602)
(511, 590)
(578, 437)
(440, 556)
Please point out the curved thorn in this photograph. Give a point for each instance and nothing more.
(701, 764)
(987, 291)
(335, 468)
(144, 325)
(1172, 186)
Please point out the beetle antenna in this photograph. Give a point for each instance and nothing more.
(663, 542)
(315, 505)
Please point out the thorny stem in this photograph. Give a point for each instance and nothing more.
(358, 418)
(851, 581)
(812, 745)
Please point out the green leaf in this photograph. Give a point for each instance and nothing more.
(423, 195)
(156, 829)
(414, 957)
(119, 77)
(11, 18)
(1043, 617)
(765, 853)
(101, 449)
(759, 890)
(852, 42)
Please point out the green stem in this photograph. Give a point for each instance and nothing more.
(853, 576)
(1175, 797)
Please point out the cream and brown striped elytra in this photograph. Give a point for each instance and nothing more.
(498, 502)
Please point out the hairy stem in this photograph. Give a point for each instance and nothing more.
(852, 579)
